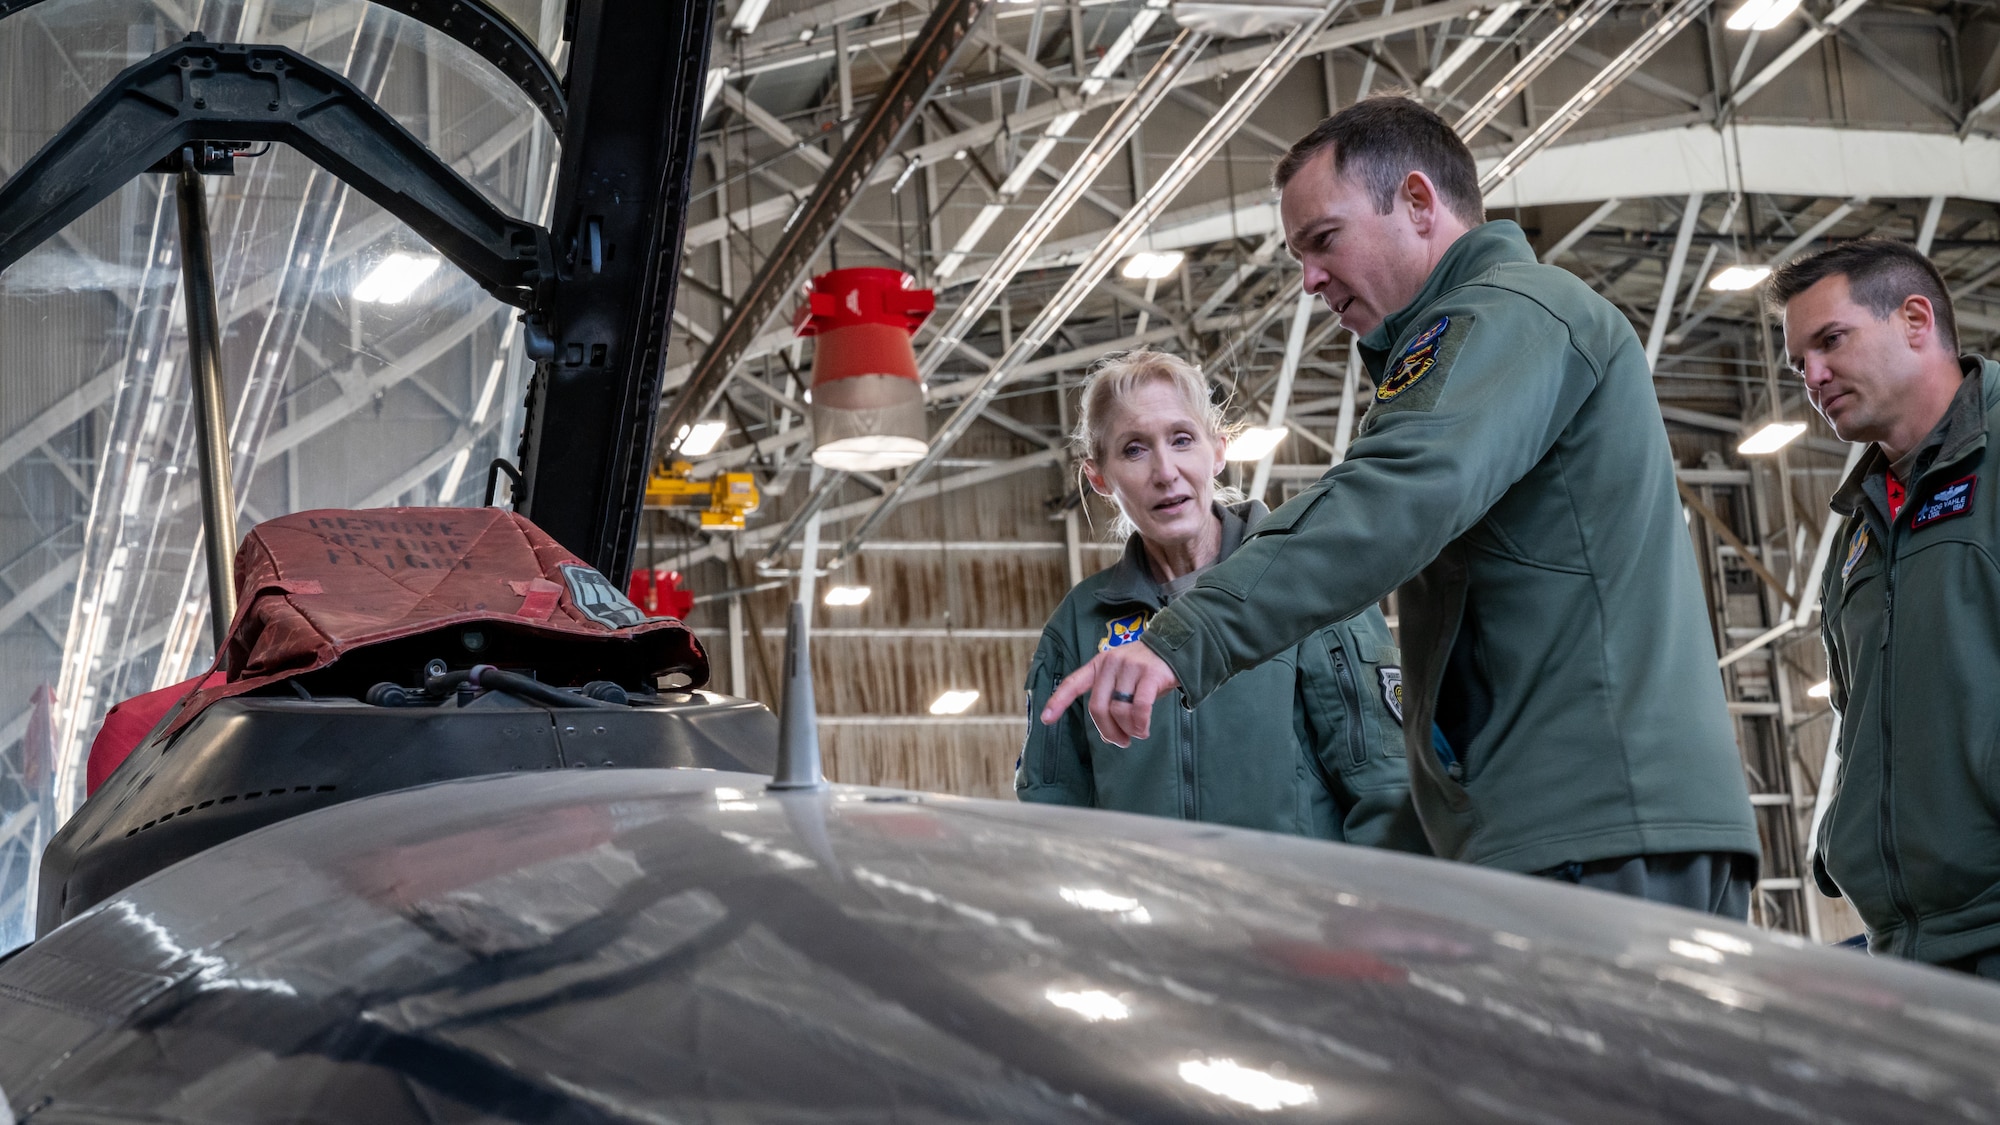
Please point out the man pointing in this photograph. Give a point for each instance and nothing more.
(1563, 711)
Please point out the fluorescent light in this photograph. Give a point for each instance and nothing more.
(1820, 690)
(1238, 1083)
(1255, 443)
(1771, 438)
(1148, 266)
(748, 15)
(394, 278)
(1092, 1004)
(1761, 15)
(847, 595)
(1738, 278)
(954, 702)
(699, 439)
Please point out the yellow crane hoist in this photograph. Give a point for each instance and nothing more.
(725, 499)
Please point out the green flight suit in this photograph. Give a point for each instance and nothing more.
(1305, 743)
(1513, 478)
(1912, 836)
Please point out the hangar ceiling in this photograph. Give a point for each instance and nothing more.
(1643, 146)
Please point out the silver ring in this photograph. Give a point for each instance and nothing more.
(1121, 697)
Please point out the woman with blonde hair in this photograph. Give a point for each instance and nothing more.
(1308, 743)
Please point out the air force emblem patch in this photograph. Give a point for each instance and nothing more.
(1416, 362)
(1123, 631)
(1954, 499)
(1856, 547)
(1392, 689)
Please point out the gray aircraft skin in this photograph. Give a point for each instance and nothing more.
(681, 945)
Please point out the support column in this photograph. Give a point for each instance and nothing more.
(1928, 231)
(1281, 395)
(1671, 285)
(218, 497)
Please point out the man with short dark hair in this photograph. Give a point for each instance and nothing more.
(1562, 708)
(1912, 836)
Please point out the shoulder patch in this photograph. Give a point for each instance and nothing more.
(1857, 546)
(1417, 376)
(1392, 689)
(1417, 361)
(1954, 499)
(1123, 631)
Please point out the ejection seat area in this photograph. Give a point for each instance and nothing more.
(254, 760)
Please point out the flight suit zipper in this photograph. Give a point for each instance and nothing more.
(1190, 810)
(1357, 750)
(1898, 892)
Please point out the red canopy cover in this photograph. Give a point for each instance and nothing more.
(323, 588)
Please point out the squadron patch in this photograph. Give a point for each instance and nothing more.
(1392, 690)
(1415, 378)
(1954, 499)
(1123, 631)
(1856, 547)
(596, 598)
(1417, 361)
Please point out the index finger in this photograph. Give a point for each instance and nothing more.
(1073, 687)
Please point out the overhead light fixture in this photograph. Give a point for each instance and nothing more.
(1771, 438)
(867, 397)
(1760, 15)
(699, 439)
(1149, 266)
(1470, 44)
(847, 595)
(1820, 690)
(394, 278)
(954, 702)
(748, 15)
(1735, 279)
(1254, 443)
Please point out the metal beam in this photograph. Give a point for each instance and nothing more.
(1117, 130)
(1899, 74)
(1785, 254)
(1743, 551)
(1670, 283)
(1790, 55)
(1199, 151)
(1577, 232)
(44, 587)
(923, 66)
(1606, 80)
(1281, 395)
(1537, 59)
(1927, 228)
